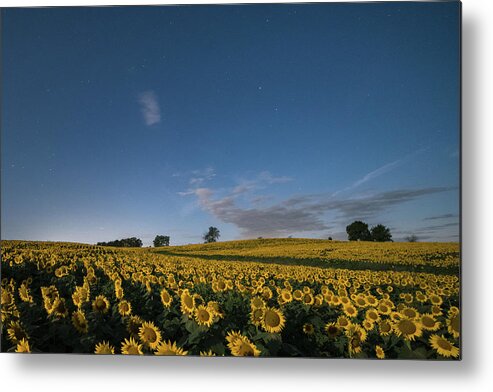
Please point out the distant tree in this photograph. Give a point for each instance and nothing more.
(212, 235)
(161, 240)
(260, 238)
(411, 238)
(380, 233)
(330, 238)
(132, 242)
(358, 231)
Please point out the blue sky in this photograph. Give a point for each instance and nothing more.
(262, 120)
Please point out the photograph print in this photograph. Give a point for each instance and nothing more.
(262, 180)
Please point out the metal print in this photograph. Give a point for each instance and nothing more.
(270, 180)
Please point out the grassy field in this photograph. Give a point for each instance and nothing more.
(266, 297)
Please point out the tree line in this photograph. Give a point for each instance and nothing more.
(356, 231)
(212, 235)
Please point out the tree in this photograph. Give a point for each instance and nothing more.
(412, 238)
(132, 242)
(358, 231)
(380, 233)
(212, 235)
(161, 240)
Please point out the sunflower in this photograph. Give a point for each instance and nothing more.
(361, 301)
(273, 320)
(266, 293)
(209, 353)
(131, 347)
(124, 308)
(133, 325)
(149, 334)
(343, 322)
(435, 299)
(166, 298)
(379, 352)
(332, 329)
(16, 332)
(256, 316)
(436, 310)
(308, 329)
(308, 299)
(104, 348)
(410, 312)
(24, 294)
(368, 325)
(101, 304)
(350, 311)
(383, 308)
(356, 330)
(204, 315)
(215, 309)
(79, 321)
(372, 315)
(371, 300)
(168, 348)
(257, 303)
(187, 302)
(232, 336)
(407, 328)
(59, 309)
(443, 346)
(243, 347)
(429, 322)
(384, 327)
(420, 297)
(119, 293)
(297, 295)
(6, 298)
(23, 346)
(286, 296)
(453, 324)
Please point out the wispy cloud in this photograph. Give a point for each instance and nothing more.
(304, 213)
(201, 175)
(149, 107)
(437, 217)
(260, 181)
(382, 170)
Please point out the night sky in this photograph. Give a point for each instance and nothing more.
(262, 120)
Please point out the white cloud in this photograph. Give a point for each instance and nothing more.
(149, 107)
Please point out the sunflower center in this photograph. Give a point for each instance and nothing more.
(444, 344)
(150, 335)
(133, 350)
(428, 322)
(204, 315)
(332, 330)
(272, 319)
(246, 350)
(407, 327)
(188, 301)
(454, 323)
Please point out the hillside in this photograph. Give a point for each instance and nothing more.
(419, 256)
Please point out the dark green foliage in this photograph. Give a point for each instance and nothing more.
(358, 231)
(212, 235)
(132, 242)
(161, 240)
(380, 233)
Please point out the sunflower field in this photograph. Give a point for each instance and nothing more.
(76, 298)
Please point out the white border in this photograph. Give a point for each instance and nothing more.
(87, 373)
